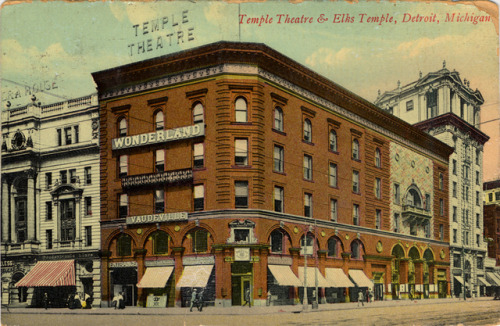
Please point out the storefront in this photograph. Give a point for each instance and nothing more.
(157, 284)
(281, 285)
(198, 273)
(339, 284)
(123, 279)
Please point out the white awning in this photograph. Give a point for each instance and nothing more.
(155, 277)
(359, 277)
(311, 277)
(284, 275)
(337, 279)
(493, 279)
(482, 280)
(195, 276)
(459, 279)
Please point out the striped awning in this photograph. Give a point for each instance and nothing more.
(284, 275)
(482, 280)
(195, 276)
(337, 278)
(493, 279)
(359, 277)
(50, 273)
(311, 277)
(155, 277)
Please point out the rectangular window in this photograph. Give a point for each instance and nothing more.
(241, 194)
(441, 206)
(454, 167)
(477, 178)
(441, 181)
(88, 236)
(198, 155)
(355, 214)
(396, 223)
(48, 179)
(478, 224)
(454, 214)
(397, 194)
(123, 208)
(77, 134)
(409, 105)
(427, 202)
(307, 205)
(480, 264)
(454, 235)
(378, 188)
(477, 198)
(490, 196)
(64, 176)
(88, 205)
(333, 210)
(48, 235)
(72, 176)
(307, 167)
(200, 239)
(355, 182)
(378, 219)
(457, 260)
(332, 175)
(123, 168)
(497, 195)
(68, 225)
(413, 228)
(159, 201)
(441, 232)
(278, 199)
(160, 160)
(454, 189)
(59, 137)
(48, 209)
(279, 154)
(467, 238)
(427, 230)
(88, 175)
(241, 152)
(478, 239)
(67, 135)
(199, 197)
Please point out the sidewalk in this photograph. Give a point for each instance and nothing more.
(235, 310)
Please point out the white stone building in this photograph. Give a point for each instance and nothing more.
(50, 202)
(445, 106)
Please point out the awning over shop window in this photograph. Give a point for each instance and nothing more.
(284, 275)
(311, 277)
(482, 280)
(155, 277)
(493, 279)
(459, 279)
(195, 276)
(359, 277)
(337, 278)
(50, 273)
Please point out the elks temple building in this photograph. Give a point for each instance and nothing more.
(445, 106)
(231, 167)
(50, 202)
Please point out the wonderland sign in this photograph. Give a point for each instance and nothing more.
(161, 178)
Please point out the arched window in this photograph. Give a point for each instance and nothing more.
(160, 243)
(413, 198)
(355, 149)
(124, 245)
(333, 247)
(276, 241)
(278, 118)
(333, 141)
(378, 158)
(307, 244)
(241, 110)
(122, 127)
(356, 249)
(159, 121)
(198, 113)
(200, 240)
(307, 130)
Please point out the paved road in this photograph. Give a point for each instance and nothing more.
(471, 312)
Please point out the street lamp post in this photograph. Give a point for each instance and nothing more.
(315, 306)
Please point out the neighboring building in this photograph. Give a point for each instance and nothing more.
(444, 106)
(224, 167)
(491, 192)
(492, 218)
(50, 202)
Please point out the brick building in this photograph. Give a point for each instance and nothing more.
(228, 166)
(492, 218)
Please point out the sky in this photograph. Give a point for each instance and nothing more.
(51, 48)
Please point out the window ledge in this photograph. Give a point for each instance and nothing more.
(307, 142)
(200, 169)
(279, 131)
(241, 123)
(282, 173)
(312, 181)
(333, 152)
(241, 167)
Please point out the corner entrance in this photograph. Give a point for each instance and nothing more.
(241, 280)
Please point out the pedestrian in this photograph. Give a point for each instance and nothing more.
(371, 295)
(367, 296)
(45, 300)
(192, 302)
(200, 300)
(247, 298)
(88, 301)
(77, 302)
(71, 301)
(121, 301)
(360, 298)
(268, 301)
(114, 302)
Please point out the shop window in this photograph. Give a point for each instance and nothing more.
(356, 249)
(333, 210)
(278, 118)
(159, 201)
(241, 194)
(68, 224)
(198, 114)
(332, 175)
(307, 244)
(355, 214)
(199, 197)
(198, 155)
(200, 241)
(307, 167)
(355, 182)
(160, 243)
(277, 242)
(123, 166)
(241, 110)
(333, 247)
(307, 132)
(378, 158)
(278, 199)
(122, 127)
(279, 159)
(88, 175)
(124, 245)
(241, 152)
(307, 205)
(159, 160)
(355, 150)
(333, 141)
(123, 207)
(159, 121)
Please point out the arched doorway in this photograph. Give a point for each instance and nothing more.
(414, 256)
(17, 294)
(397, 254)
(428, 261)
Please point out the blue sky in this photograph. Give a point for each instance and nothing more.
(54, 46)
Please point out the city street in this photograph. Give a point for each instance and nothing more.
(484, 311)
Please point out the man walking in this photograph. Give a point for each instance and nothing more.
(200, 300)
(45, 300)
(360, 298)
(192, 303)
(247, 298)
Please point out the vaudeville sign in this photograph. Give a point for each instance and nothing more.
(156, 218)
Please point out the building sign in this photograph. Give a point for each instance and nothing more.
(241, 254)
(198, 260)
(156, 218)
(159, 263)
(158, 137)
(160, 178)
(123, 264)
(156, 301)
(278, 260)
(90, 255)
